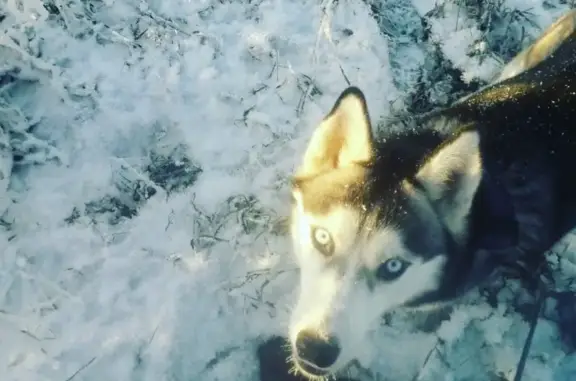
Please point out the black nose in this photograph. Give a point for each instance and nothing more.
(316, 350)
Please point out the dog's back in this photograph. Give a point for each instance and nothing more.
(529, 120)
(534, 110)
(557, 36)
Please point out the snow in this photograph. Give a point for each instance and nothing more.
(116, 267)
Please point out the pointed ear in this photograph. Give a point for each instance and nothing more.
(451, 177)
(343, 138)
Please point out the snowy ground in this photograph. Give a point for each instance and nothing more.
(151, 144)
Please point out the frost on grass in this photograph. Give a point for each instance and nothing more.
(145, 150)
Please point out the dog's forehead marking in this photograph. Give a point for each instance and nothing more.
(344, 224)
(341, 221)
(320, 193)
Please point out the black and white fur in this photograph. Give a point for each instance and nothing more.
(408, 221)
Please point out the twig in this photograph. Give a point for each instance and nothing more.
(325, 29)
(325, 7)
(81, 369)
(166, 23)
(218, 357)
(425, 363)
(533, 322)
(344, 74)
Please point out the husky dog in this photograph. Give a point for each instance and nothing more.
(426, 214)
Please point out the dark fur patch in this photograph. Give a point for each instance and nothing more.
(528, 147)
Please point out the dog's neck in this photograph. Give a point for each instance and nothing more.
(493, 218)
(493, 222)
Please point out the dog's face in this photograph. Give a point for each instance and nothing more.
(370, 234)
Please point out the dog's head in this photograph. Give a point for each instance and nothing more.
(374, 228)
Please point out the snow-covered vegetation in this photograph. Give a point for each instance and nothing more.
(145, 152)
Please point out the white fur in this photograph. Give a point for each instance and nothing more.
(337, 301)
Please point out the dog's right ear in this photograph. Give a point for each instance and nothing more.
(342, 139)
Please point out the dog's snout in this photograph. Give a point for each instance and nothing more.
(318, 351)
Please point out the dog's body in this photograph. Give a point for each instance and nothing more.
(424, 215)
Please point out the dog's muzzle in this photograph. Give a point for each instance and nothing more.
(315, 354)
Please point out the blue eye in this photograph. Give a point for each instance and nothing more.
(391, 269)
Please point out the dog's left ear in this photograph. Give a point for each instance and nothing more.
(342, 139)
(451, 177)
